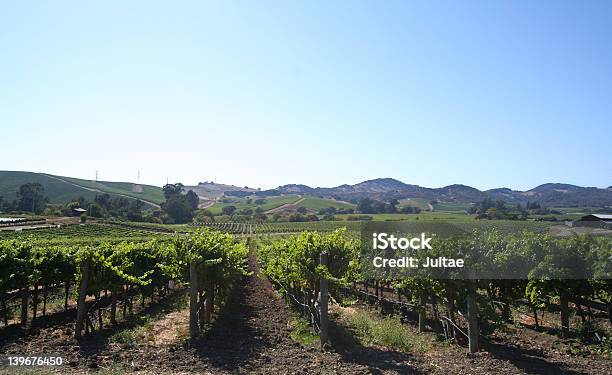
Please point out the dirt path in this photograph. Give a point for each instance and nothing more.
(208, 203)
(251, 336)
(286, 206)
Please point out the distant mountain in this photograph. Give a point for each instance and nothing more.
(459, 193)
(380, 188)
(559, 195)
(295, 189)
(381, 185)
(569, 195)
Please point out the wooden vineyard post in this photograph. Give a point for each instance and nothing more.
(422, 317)
(34, 302)
(24, 306)
(81, 306)
(201, 313)
(193, 300)
(209, 303)
(324, 297)
(3, 306)
(66, 291)
(45, 295)
(113, 311)
(563, 301)
(472, 318)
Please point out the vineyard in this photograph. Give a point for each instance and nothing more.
(293, 265)
(93, 281)
(107, 268)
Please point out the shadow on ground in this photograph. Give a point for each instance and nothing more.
(232, 341)
(376, 360)
(528, 360)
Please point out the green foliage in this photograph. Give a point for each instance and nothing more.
(295, 261)
(31, 198)
(146, 264)
(218, 256)
(301, 331)
(386, 331)
(294, 264)
(178, 208)
(241, 203)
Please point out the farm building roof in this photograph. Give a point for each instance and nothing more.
(11, 219)
(602, 217)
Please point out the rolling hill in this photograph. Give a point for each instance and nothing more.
(61, 189)
(241, 203)
(453, 197)
(211, 190)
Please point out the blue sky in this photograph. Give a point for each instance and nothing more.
(263, 93)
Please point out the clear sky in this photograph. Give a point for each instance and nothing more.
(263, 93)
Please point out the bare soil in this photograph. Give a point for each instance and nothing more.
(251, 335)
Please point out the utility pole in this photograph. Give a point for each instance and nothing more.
(96, 175)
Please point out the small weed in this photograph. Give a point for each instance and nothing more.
(301, 331)
(386, 331)
(140, 334)
(124, 337)
(348, 301)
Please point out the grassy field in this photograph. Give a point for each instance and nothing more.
(462, 220)
(414, 202)
(314, 203)
(451, 206)
(57, 191)
(150, 193)
(241, 203)
(425, 215)
(422, 203)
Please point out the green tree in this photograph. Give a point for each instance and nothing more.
(365, 206)
(31, 197)
(95, 210)
(193, 200)
(135, 210)
(172, 190)
(228, 210)
(392, 206)
(178, 210)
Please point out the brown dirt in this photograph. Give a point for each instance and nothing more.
(515, 349)
(250, 335)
